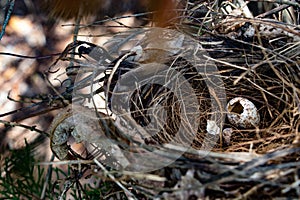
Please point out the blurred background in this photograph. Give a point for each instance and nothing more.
(38, 28)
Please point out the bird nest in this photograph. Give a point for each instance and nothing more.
(157, 99)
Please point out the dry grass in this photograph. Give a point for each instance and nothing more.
(257, 57)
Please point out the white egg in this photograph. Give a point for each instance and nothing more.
(227, 133)
(242, 113)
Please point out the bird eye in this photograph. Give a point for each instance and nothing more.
(84, 50)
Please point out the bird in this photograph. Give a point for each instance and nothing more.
(163, 12)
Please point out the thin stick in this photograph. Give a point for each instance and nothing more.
(9, 11)
(31, 128)
(48, 178)
(127, 192)
(30, 57)
(287, 2)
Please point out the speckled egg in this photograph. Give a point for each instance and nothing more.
(242, 113)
